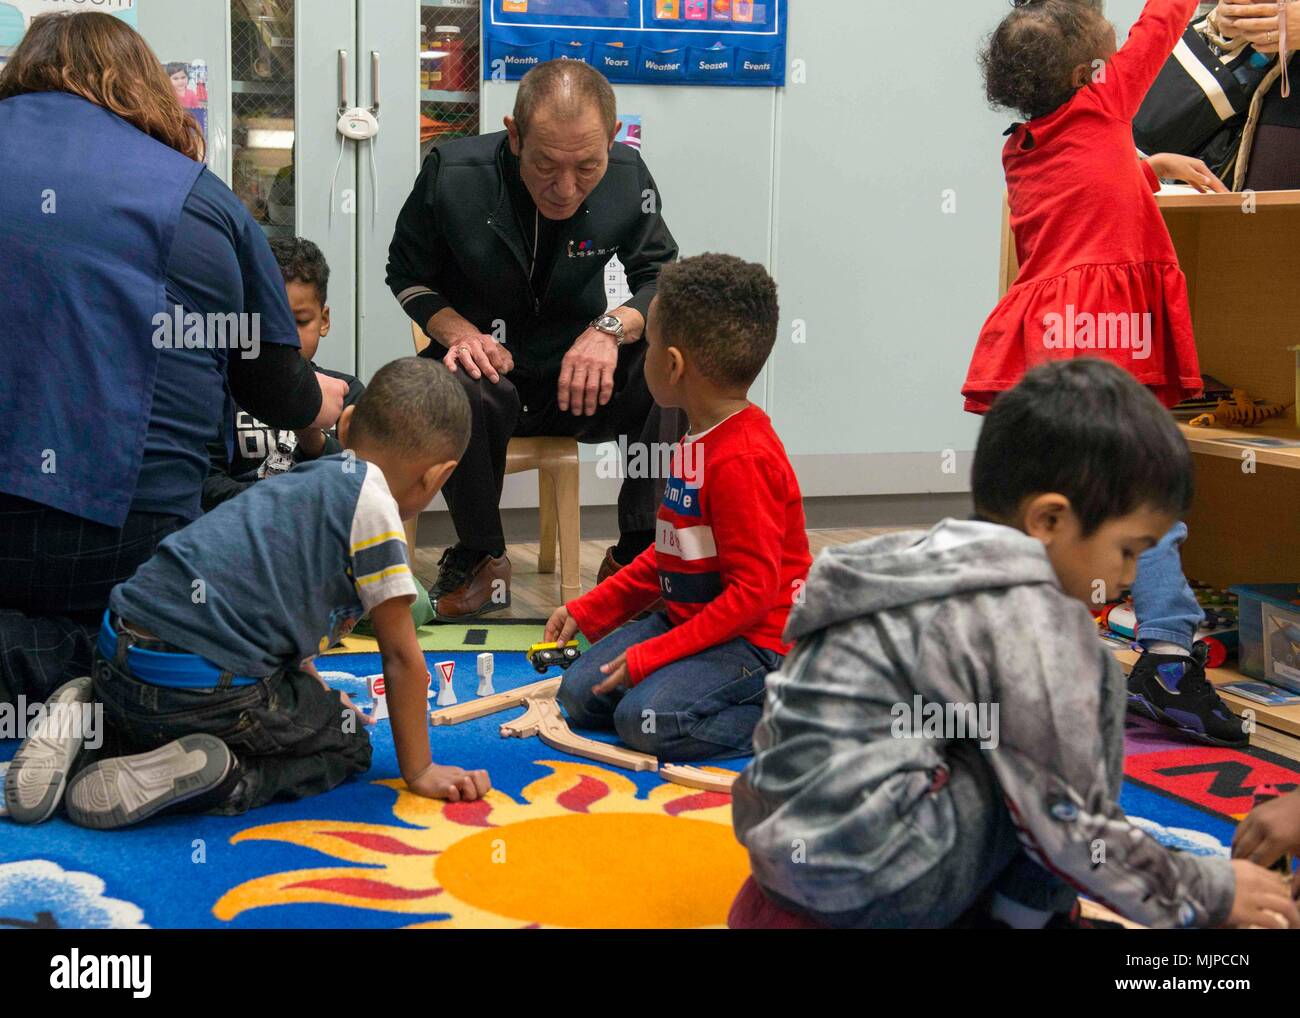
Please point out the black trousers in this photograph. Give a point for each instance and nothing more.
(528, 408)
(56, 572)
(291, 735)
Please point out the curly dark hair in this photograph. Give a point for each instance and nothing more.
(1030, 59)
(723, 311)
(301, 261)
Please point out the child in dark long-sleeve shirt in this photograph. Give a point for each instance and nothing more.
(261, 451)
(730, 554)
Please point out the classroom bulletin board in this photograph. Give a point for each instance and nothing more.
(643, 42)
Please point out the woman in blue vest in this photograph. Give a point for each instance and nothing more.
(137, 295)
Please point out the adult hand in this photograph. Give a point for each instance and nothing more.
(587, 373)
(1262, 899)
(1171, 166)
(1258, 24)
(1269, 830)
(333, 391)
(479, 355)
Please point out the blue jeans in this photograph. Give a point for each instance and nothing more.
(1163, 601)
(698, 708)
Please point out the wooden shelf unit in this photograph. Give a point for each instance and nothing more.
(1243, 279)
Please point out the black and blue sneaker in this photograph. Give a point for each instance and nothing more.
(1173, 689)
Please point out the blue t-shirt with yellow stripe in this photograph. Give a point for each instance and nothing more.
(278, 574)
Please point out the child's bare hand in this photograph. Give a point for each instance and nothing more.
(451, 783)
(1171, 166)
(617, 673)
(1269, 831)
(560, 627)
(309, 666)
(1262, 899)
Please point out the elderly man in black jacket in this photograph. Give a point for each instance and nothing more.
(499, 255)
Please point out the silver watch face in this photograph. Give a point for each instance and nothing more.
(610, 324)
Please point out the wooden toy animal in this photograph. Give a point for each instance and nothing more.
(1241, 411)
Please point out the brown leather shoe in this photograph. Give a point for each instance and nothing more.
(609, 567)
(484, 588)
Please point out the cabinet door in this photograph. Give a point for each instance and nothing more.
(327, 203)
(429, 92)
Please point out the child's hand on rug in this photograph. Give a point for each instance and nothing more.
(561, 627)
(1269, 831)
(451, 783)
(618, 675)
(1261, 900)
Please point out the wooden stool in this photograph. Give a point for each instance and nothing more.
(558, 501)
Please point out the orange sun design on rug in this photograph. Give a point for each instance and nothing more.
(580, 850)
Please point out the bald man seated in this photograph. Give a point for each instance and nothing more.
(499, 256)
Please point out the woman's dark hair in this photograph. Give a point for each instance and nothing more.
(104, 60)
(301, 261)
(1029, 60)
(1087, 430)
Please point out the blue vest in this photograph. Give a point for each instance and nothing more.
(88, 209)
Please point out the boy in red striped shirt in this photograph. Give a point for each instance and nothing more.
(731, 552)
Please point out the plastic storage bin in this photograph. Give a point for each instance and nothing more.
(1270, 632)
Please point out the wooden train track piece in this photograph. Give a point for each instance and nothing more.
(544, 720)
(698, 777)
(495, 703)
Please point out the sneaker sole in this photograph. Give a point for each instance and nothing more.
(38, 774)
(1139, 704)
(125, 790)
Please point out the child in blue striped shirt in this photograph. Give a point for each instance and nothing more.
(210, 699)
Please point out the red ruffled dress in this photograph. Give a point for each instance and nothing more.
(1098, 272)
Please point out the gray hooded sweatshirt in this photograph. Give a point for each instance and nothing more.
(847, 801)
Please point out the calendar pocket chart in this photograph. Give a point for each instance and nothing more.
(665, 42)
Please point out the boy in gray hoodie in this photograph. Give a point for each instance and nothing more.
(944, 745)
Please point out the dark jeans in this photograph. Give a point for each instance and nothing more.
(698, 708)
(528, 408)
(289, 733)
(987, 857)
(56, 572)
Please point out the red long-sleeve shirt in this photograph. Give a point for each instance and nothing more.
(730, 554)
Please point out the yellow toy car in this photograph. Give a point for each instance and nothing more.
(544, 656)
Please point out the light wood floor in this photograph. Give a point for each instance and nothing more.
(535, 595)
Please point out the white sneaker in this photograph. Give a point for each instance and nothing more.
(124, 790)
(38, 774)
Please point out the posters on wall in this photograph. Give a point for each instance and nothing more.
(189, 80)
(617, 291)
(16, 15)
(648, 42)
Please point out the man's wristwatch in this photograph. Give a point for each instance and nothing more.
(611, 326)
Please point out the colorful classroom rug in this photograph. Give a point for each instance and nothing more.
(478, 636)
(559, 842)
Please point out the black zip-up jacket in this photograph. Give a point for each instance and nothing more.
(458, 244)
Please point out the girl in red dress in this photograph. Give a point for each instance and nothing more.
(1098, 272)
(1099, 277)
